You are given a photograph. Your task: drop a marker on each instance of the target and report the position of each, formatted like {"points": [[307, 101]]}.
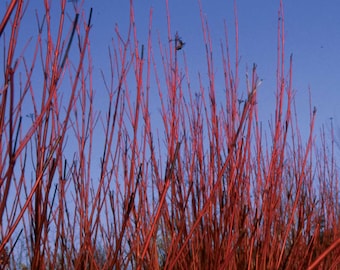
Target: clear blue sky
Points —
{"points": [[312, 32]]}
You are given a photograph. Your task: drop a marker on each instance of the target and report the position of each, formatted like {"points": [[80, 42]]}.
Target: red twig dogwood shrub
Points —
{"points": [[201, 185]]}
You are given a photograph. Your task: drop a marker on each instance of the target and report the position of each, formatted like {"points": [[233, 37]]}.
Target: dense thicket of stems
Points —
{"points": [[207, 188]]}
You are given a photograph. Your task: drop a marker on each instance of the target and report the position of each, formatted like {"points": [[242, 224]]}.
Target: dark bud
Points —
{"points": [[179, 44]]}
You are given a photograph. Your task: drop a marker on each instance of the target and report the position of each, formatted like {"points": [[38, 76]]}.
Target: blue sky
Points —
{"points": [[312, 35]]}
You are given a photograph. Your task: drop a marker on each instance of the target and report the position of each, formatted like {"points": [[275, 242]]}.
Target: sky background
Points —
{"points": [[312, 35]]}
